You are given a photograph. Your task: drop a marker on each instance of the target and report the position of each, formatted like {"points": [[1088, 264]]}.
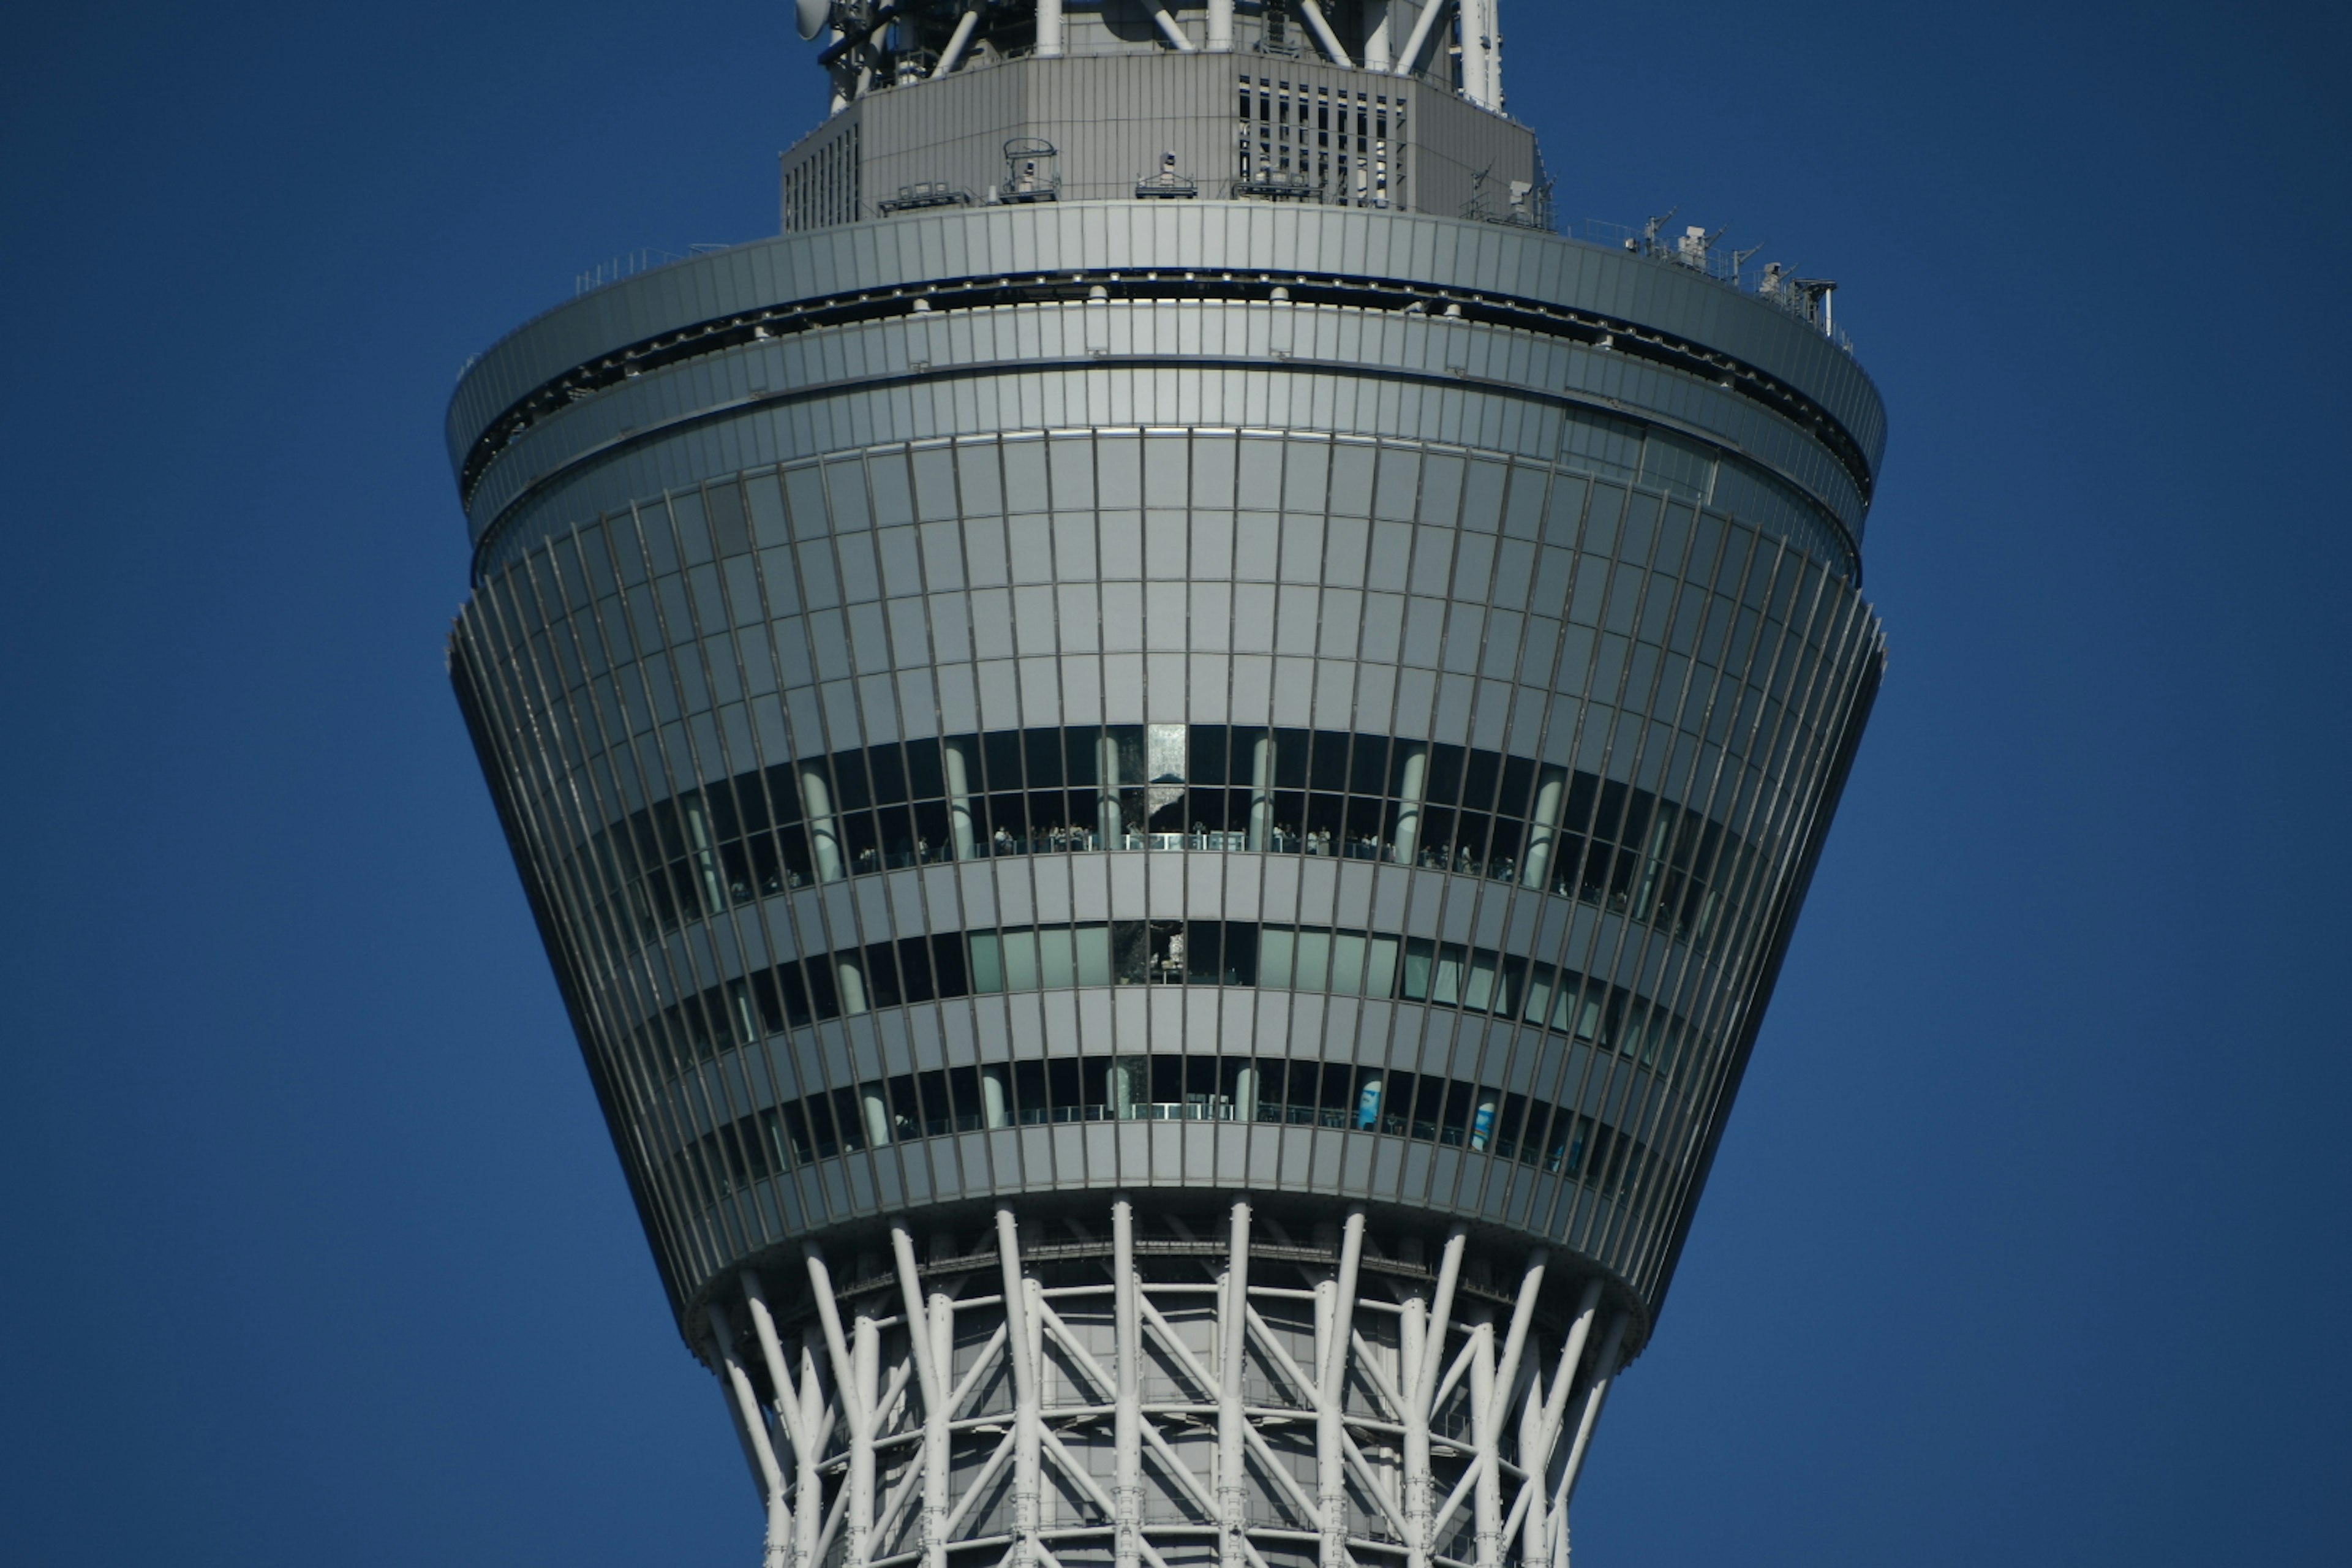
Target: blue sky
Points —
{"points": [[2028, 1241]]}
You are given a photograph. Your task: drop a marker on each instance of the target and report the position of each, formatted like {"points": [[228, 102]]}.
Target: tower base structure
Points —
{"points": [[1155, 1383]]}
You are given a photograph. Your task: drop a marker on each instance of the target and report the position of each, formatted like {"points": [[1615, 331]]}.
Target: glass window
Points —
{"points": [[987, 963]]}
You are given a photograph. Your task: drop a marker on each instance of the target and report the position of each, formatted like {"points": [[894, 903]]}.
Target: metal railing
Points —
{"points": [[630, 263], [1694, 250]]}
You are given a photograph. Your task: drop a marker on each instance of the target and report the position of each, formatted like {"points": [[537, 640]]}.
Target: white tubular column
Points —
{"points": [[952, 55], [865, 1359], [1049, 28], [1168, 27], [1377, 56], [1317, 23], [1110, 830], [1539, 1436], [823, 827], [956, 763], [1221, 26], [755, 1430], [1020, 1343], [1543, 832], [1486, 1436], [1331, 1455], [1233, 1494], [1261, 817], [1413, 783], [856, 1418], [808, 1518], [1420, 1392], [932, 1380], [1604, 1371], [1127, 1416], [1409, 57], [788, 1410]]}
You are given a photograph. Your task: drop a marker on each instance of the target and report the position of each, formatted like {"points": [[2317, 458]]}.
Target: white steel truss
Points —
{"points": [[1178, 1401]]}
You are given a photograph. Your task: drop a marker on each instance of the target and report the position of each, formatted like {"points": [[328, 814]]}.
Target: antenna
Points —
{"points": [[1650, 229], [811, 15]]}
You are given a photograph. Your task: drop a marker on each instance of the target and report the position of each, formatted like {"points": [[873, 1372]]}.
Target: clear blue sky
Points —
{"points": [[2029, 1240]]}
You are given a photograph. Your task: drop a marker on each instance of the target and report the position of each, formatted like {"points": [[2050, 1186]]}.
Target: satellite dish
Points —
{"points": [[813, 16]]}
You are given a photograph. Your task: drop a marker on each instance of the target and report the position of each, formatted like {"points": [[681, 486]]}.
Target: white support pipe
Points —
{"points": [[1110, 828], [1441, 1311], [857, 1418], [1377, 56], [1221, 26], [1021, 1343], [1049, 29], [1523, 1312], [789, 1411], [956, 762], [1476, 27], [1412, 1411], [1413, 783], [982, 1484], [865, 1358], [1604, 1373], [1233, 1494], [808, 1516], [755, 1428], [932, 1381], [1169, 28], [1127, 1420], [772, 1352], [1367, 1363], [1409, 57], [952, 55], [1313, 11], [1331, 1437], [1261, 817], [823, 827], [1535, 1467], [1543, 830], [1535, 1457], [1487, 1434]]}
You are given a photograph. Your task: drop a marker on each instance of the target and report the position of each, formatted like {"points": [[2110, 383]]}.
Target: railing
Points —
{"points": [[1696, 251], [643, 259]]}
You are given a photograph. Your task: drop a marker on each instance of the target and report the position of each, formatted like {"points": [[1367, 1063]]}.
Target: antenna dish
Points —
{"points": [[812, 17]]}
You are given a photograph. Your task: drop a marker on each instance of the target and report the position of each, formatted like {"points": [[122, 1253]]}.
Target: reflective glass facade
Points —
{"points": [[1352, 739]]}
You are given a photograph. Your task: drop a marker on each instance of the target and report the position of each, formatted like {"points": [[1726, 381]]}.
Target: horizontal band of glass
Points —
{"points": [[879, 1113], [1164, 786], [853, 980]]}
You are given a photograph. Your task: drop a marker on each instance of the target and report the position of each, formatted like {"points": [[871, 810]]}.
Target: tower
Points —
{"points": [[1165, 755]]}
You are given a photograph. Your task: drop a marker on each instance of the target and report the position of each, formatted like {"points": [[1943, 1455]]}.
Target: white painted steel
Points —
{"points": [[1170, 29], [1409, 57], [1232, 1328], [1162, 1394], [952, 55], [930, 1381], [755, 1430], [1377, 54], [1321, 27]]}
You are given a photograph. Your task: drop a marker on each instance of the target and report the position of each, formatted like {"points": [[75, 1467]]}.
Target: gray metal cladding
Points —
{"points": [[1032, 581], [1166, 363], [1217, 236]]}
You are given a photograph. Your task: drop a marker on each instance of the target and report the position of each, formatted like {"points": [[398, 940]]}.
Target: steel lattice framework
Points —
{"points": [[929, 1410]]}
